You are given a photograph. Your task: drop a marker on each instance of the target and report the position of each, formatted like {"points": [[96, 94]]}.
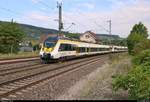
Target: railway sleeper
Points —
{"points": [[9, 87]]}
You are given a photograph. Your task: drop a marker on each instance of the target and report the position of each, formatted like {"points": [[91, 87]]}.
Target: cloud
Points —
{"points": [[87, 5], [126, 16], [123, 15], [36, 1], [40, 19]]}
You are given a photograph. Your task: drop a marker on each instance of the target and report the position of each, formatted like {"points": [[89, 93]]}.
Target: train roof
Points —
{"points": [[79, 43]]}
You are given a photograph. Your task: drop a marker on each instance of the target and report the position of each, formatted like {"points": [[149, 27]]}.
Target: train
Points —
{"points": [[58, 49]]}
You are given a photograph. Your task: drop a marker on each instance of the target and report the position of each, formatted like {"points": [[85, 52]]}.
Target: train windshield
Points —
{"points": [[49, 44]]}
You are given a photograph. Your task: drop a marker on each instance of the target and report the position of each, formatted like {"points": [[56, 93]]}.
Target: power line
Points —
{"points": [[91, 20], [101, 27], [11, 11], [45, 4], [83, 25], [70, 26]]}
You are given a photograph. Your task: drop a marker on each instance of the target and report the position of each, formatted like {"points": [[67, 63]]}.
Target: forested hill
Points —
{"points": [[35, 32]]}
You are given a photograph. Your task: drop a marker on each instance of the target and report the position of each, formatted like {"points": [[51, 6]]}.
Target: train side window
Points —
{"points": [[62, 47], [82, 49], [93, 49], [88, 49], [66, 47], [73, 48]]}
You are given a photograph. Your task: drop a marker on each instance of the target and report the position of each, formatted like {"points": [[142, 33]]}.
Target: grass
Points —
{"points": [[19, 55]]}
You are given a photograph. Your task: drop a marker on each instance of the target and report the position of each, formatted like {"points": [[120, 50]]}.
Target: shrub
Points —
{"points": [[141, 46], [137, 81], [142, 58]]}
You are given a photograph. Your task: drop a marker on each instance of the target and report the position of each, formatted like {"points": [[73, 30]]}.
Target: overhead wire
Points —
{"points": [[11, 11], [44, 4], [94, 22]]}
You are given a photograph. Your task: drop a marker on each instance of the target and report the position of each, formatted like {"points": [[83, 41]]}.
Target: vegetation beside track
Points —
{"points": [[98, 84], [18, 55], [137, 80]]}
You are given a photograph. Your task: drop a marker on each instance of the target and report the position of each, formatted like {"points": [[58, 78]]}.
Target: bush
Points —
{"points": [[141, 46], [137, 81], [142, 58]]}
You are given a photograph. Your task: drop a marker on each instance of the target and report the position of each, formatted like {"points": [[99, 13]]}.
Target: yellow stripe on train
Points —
{"points": [[47, 50]]}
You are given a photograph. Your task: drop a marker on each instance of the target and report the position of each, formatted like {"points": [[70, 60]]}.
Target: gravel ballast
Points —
{"points": [[97, 85], [54, 88], [91, 82]]}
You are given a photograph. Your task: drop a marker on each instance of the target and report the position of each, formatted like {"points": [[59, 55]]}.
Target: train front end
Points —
{"points": [[46, 50]]}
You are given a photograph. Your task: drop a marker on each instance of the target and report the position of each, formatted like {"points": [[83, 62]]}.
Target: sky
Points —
{"points": [[86, 14]]}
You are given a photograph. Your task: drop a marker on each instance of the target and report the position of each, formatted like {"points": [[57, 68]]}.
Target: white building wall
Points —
{"points": [[88, 38]]}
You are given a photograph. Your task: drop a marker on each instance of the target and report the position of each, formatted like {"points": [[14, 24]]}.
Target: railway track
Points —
{"points": [[11, 61], [21, 83], [17, 58], [18, 69]]}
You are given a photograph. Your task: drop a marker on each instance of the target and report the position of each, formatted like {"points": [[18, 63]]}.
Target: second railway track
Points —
{"points": [[11, 61], [12, 86]]}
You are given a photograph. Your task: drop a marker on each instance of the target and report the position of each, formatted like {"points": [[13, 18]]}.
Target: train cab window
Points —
{"points": [[49, 44]]}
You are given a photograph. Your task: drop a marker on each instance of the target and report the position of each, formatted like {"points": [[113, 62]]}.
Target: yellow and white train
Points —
{"points": [[55, 48]]}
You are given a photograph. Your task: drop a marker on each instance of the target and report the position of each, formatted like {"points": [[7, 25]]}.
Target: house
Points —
{"points": [[88, 36], [26, 49]]}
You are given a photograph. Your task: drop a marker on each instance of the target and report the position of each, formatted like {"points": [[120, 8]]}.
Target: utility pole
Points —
{"points": [[60, 27], [110, 25]]}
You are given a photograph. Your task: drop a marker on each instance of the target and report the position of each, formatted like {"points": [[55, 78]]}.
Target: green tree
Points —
{"points": [[138, 33], [10, 36], [73, 35]]}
